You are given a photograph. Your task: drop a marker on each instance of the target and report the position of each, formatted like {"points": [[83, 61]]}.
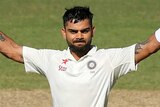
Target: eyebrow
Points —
{"points": [[74, 30], [86, 29]]}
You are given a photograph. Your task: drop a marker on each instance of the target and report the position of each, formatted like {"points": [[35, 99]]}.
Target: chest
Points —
{"points": [[82, 71], [88, 75]]}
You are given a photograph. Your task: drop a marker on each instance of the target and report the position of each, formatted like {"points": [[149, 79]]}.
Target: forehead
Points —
{"points": [[79, 25]]}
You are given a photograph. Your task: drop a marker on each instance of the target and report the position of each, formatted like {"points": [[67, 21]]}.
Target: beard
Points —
{"points": [[79, 49]]}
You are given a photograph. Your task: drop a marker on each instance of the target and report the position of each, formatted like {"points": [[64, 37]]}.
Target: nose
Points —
{"points": [[79, 35]]}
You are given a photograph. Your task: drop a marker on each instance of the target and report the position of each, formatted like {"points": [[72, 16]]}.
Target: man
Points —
{"points": [[78, 77]]}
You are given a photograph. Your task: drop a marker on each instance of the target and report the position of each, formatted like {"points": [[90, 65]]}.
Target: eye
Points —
{"points": [[73, 31], [85, 30]]}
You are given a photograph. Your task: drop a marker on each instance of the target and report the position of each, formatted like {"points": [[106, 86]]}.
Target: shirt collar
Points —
{"points": [[90, 53]]}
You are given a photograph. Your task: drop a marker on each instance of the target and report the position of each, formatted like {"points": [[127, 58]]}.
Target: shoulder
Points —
{"points": [[42, 51], [112, 52]]}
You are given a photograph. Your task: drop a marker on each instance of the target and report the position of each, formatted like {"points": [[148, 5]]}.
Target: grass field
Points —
{"points": [[41, 98], [119, 23]]}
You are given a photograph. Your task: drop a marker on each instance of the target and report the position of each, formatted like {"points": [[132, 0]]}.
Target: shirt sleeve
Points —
{"points": [[34, 60], [123, 60]]}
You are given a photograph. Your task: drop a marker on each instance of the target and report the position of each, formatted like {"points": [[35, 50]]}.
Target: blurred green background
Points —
{"points": [[119, 23]]}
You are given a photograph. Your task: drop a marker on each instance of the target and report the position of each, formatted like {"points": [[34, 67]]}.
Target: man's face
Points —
{"points": [[78, 35]]}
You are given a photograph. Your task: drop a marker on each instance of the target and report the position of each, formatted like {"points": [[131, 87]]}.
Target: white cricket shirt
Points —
{"points": [[83, 83]]}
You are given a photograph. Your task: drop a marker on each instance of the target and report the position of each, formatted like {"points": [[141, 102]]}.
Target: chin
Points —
{"points": [[79, 48]]}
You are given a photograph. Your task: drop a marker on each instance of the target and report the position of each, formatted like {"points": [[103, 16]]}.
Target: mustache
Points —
{"points": [[79, 40]]}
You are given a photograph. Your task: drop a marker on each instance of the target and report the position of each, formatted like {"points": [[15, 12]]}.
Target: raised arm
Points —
{"points": [[148, 47], [10, 49]]}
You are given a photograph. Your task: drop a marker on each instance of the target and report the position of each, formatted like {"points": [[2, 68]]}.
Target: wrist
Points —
{"points": [[157, 35]]}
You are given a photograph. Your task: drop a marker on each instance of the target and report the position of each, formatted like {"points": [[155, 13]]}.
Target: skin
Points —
{"points": [[10, 49], [146, 48], [79, 35], [71, 33]]}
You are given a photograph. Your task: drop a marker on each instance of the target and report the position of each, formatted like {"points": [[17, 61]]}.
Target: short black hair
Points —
{"points": [[77, 14]]}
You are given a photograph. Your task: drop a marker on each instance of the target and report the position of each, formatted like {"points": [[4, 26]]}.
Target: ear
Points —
{"points": [[93, 30], [63, 31]]}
